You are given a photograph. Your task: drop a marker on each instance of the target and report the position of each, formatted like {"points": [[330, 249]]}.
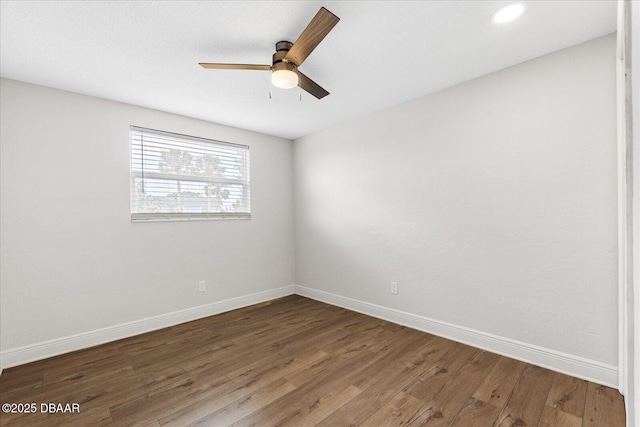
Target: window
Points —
{"points": [[177, 177]]}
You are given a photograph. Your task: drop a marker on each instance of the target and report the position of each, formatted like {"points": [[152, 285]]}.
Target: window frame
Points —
{"points": [[187, 216]]}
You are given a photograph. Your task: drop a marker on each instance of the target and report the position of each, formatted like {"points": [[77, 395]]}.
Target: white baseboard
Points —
{"points": [[569, 364], [21, 355], [576, 366]]}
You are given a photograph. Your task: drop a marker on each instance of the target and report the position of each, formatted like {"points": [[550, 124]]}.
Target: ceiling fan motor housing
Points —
{"points": [[282, 48], [283, 45]]}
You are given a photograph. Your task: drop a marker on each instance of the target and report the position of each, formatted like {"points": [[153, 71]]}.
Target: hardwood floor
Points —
{"points": [[299, 362]]}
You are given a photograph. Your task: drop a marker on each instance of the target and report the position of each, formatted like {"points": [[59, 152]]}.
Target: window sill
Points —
{"points": [[150, 217]]}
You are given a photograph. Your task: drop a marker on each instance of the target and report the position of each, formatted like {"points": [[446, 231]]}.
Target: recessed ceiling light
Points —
{"points": [[509, 12]]}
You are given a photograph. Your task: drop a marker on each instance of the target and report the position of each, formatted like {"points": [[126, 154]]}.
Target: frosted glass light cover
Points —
{"points": [[284, 79]]}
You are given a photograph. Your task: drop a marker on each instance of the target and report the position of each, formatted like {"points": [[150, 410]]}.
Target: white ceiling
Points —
{"points": [[381, 53]]}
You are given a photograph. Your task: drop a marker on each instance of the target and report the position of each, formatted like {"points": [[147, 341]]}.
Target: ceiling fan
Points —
{"points": [[289, 56]]}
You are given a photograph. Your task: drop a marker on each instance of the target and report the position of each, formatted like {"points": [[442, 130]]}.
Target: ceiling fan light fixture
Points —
{"points": [[289, 56], [284, 76], [284, 79]]}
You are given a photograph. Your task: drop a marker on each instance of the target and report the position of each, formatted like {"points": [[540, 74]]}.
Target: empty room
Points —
{"points": [[301, 213]]}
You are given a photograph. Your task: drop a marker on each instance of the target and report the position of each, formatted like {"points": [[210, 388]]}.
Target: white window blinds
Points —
{"points": [[177, 176]]}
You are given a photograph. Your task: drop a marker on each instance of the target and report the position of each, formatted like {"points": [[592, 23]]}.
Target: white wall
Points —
{"points": [[492, 203], [73, 265]]}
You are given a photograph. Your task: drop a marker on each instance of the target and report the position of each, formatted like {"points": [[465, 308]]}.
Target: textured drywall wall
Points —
{"points": [[72, 262], [492, 204]]}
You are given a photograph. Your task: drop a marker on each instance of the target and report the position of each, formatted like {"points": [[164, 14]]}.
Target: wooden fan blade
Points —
{"points": [[311, 37], [310, 86], [236, 66]]}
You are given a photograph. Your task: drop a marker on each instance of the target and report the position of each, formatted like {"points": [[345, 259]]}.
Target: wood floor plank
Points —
{"points": [[99, 417], [291, 342], [201, 407], [253, 314], [476, 413], [334, 325], [322, 407], [383, 379], [322, 377], [328, 365], [155, 341], [161, 402], [445, 406], [438, 348], [552, 417], [497, 387], [528, 398], [604, 407], [429, 384], [398, 411], [246, 405], [209, 352], [90, 393], [205, 403], [298, 362], [275, 366], [406, 350], [568, 394], [25, 377], [388, 344]]}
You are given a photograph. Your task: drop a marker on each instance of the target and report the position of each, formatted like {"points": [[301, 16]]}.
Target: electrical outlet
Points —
{"points": [[394, 288], [202, 286]]}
